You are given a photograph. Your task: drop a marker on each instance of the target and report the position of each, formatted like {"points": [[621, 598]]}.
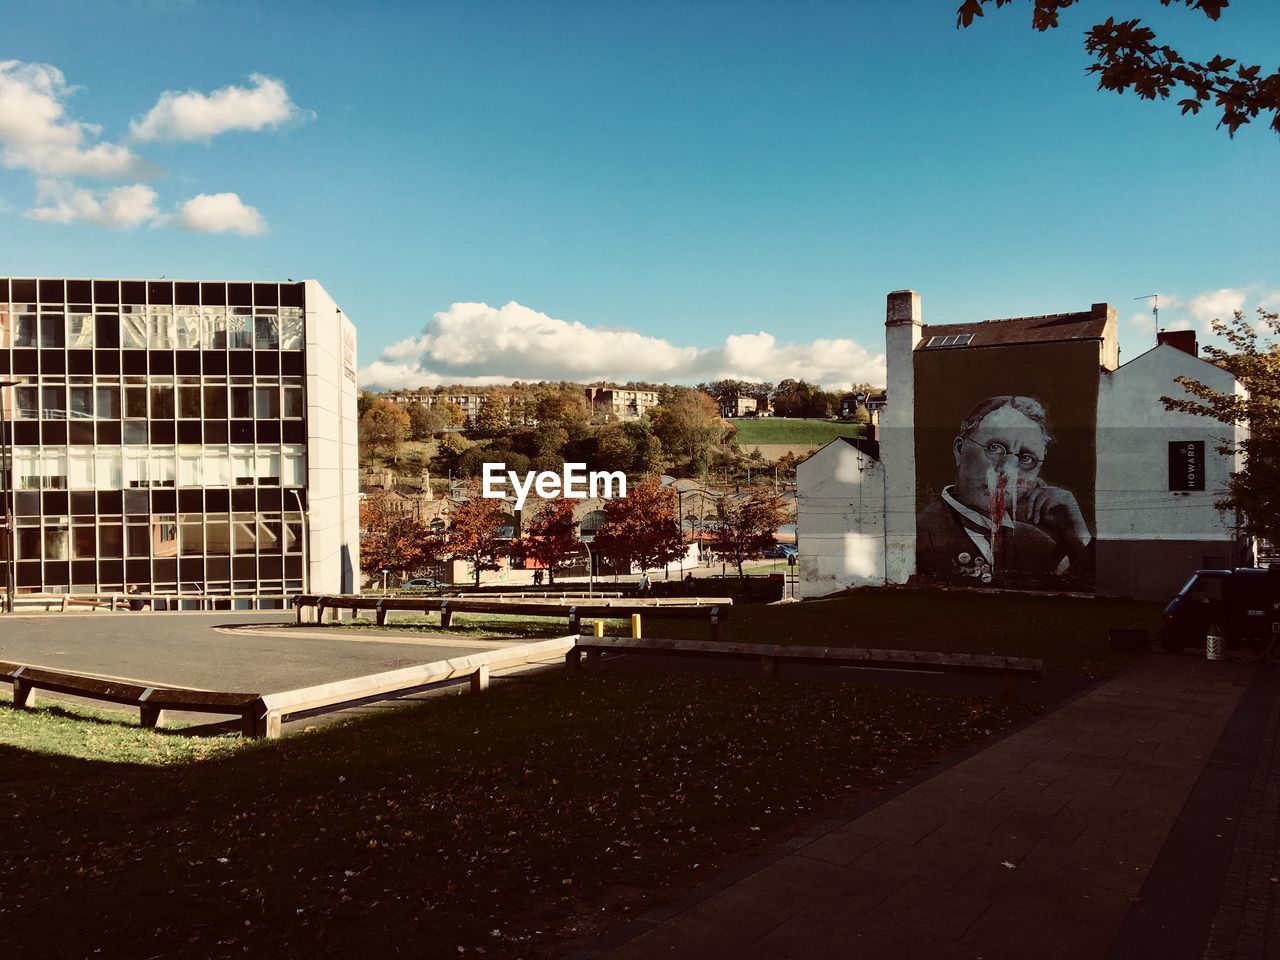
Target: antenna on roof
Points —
{"points": [[1155, 311]]}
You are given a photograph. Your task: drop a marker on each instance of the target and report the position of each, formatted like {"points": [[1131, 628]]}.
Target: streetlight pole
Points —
{"points": [[306, 554], [6, 438]]}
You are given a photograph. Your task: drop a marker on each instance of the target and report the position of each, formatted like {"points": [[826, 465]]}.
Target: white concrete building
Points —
{"points": [[1160, 477], [1137, 484], [840, 518]]}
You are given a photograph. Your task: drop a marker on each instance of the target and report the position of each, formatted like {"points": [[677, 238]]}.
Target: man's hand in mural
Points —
{"points": [[1056, 512]]}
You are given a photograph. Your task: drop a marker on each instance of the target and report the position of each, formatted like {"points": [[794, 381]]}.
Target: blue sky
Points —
{"points": [[663, 190]]}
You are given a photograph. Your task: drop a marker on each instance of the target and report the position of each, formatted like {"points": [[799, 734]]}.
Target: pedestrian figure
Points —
{"points": [[644, 585], [537, 577], [688, 584]]}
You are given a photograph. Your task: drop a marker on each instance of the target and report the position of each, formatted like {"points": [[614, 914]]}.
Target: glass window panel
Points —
{"points": [[269, 534], [294, 466], [162, 402], [291, 328], [53, 403], [133, 328], [268, 469], [138, 540], [267, 402], [108, 402], [240, 328], [266, 331], [26, 468], [108, 463], [28, 543], [137, 467], [135, 403], [6, 326], [80, 475], [293, 532], [217, 467], [242, 465], [215, 402], [189, 403], [191, 535], [213, 328], [84, 543], [164, 536], [54, 468], [190, 466], [187, 323], [160, 328], [244, 529], [81, 403], [164, 471], [80, 328], [292, 401], [218, 536], [242, 402], [55, 538], [110, 541], [53, 330], [25, 331], [107, 329], [28, 403]]}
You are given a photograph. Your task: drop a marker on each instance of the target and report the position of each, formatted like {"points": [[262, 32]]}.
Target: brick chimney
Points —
{"points": [[1184, 340]]}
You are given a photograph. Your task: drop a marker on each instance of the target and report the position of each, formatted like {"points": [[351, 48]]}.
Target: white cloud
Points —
{"points": [[118, 208], [476, 343], [36, 133], [220, 213], [198, 116]]}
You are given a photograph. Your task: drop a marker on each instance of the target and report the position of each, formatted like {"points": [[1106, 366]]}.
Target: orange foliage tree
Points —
{"points": [[473, 535], [552, 536], [642, 527]]}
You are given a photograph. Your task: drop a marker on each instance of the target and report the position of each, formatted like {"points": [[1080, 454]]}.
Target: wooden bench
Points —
{"points": [[714, 609], [152, 702], [1008, 669]]}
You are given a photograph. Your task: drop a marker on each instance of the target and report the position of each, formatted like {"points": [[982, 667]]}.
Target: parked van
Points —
{"points": [[1244, 603]]}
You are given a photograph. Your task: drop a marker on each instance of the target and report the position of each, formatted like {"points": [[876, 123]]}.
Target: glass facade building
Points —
{"points": [[159, 434]]}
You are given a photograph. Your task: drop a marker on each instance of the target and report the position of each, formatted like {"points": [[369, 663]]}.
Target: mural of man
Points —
{"points": [[1000, 522]]}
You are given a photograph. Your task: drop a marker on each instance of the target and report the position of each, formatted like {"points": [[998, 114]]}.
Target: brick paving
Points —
{"points": [[1036, 846], [1247, 924]]}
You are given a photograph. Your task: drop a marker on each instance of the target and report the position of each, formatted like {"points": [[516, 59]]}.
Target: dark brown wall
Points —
{"points": [[1062, 376]]}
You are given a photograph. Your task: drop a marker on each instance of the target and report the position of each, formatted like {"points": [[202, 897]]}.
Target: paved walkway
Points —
{"points": [[1037, 846]]}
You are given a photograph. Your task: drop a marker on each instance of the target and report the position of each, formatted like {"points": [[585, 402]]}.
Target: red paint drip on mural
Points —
{"points": [[999, 504]]}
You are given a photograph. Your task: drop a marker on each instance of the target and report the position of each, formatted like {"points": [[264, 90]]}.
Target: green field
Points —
{"points": [[784, 430]]}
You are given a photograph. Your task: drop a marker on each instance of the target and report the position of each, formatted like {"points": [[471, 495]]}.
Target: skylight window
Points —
{"points": [[955, 340]]}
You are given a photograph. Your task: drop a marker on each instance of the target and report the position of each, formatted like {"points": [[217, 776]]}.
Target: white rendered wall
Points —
{"points": [[1134, 431], [840, 520], [332, 447], [903, 322]]}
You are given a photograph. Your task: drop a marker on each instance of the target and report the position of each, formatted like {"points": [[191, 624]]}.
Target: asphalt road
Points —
{"points": [[228, 651]]}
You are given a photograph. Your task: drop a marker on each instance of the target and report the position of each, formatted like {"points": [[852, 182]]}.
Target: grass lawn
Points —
{"points": [[1069, 633], [753, 430], [510, 825]]}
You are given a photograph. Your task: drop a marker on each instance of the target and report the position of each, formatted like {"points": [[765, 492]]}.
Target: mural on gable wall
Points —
{"points": [[1005, 459]]}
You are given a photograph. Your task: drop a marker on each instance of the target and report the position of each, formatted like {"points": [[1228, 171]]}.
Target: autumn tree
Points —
{"points": [[564, 406], [425, 421], [551, 538], [745, 527], [396, 542], [473, 535], [383, 428], [642, 527], [688, 424], [1127, 57], [454, 415], [1254, 359]]}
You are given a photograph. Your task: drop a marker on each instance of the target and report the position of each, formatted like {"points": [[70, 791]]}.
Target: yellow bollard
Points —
{"points": [[598, 628], [635, 625]]}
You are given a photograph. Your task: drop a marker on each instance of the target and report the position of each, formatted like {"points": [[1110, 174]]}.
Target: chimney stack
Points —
{"points": [[1184, 340]]}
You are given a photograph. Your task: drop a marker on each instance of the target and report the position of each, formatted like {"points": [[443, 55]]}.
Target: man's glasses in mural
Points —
{"points": [[998, 453]]}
